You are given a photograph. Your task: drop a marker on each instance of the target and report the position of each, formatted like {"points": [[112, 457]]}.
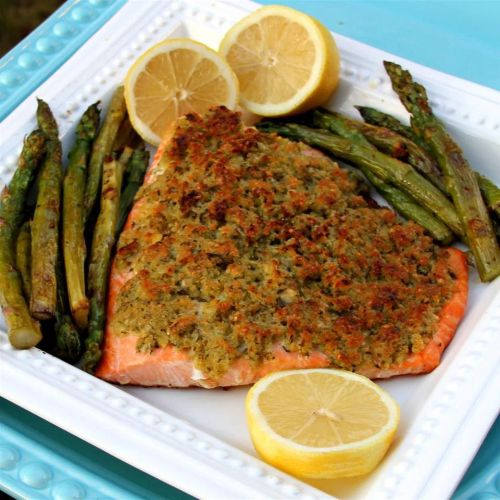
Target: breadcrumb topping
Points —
{"points": [[243, 241]]}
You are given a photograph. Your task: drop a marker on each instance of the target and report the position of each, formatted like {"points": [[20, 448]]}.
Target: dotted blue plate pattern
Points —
{"points": [[39, 461], [26, 66], [482, 480], [28, 469]]}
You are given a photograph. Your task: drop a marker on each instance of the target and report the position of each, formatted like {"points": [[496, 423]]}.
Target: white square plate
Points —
{"points": [[197, 439]]}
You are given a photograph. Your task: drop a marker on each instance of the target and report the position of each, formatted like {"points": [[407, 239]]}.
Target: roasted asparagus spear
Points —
{"points": [[73, 215], [460, 180], [125, 158], [136, 170], [490, 192], [67, 339], [46, 120], [126, 136], [102, 147], [24, 332], [379, 118], [389, 170], [100, 259], [23, 257], [45, 225], [408, 208], [401, 202], [397, 146]]}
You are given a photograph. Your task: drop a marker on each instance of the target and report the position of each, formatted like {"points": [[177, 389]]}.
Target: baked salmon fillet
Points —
{"points": [[246, 253]]}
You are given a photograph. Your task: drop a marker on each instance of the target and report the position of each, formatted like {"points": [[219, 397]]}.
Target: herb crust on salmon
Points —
{"points": [[246, 253]]}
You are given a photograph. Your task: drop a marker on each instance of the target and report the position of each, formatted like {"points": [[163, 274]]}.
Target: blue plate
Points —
{"points": [[482, 480], [41, 53], [39, 460]]}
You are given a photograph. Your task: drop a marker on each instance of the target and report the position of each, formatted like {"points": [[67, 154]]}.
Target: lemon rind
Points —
{"points": [[384, 432], [172, 44], [323, 52]]}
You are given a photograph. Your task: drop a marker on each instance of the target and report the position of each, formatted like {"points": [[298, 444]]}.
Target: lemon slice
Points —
{"points": [[286, 61], [173, 78], [321, 423]]}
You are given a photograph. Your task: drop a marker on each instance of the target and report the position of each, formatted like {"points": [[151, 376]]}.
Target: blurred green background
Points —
{"points": [[18, 18]]}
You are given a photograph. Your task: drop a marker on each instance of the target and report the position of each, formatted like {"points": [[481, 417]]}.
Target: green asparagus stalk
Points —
{"points": [[125, 158], [408, 208], [400, 201], [46, 121], [389, 170], [102, 147], [73, 215], [378, 118], [490, 192], [67, 339], [125, 137], [100, 259], [418, 157], [398, 147], [460, 180], [384, 139], [23, 257], [23, 331], [68, 344], [136, 171], [45, 225]]}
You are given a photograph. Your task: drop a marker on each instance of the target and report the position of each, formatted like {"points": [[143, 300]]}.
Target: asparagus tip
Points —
{"points": [[91, 357]]}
